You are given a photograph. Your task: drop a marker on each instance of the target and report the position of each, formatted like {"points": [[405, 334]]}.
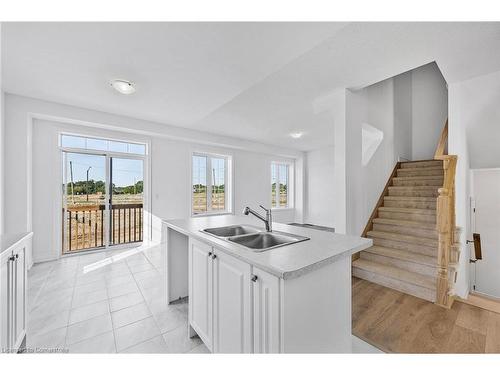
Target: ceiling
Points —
{"points": [[255, 81]]}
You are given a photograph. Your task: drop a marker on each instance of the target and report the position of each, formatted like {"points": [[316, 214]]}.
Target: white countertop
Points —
{"points": [[10, 239], [285, 262]]}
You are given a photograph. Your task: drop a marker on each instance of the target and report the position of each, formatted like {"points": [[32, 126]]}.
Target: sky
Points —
{"points": [[126, 172]]}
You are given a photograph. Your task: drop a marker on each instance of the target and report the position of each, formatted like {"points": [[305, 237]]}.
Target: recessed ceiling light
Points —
{"points": [[123, 87], [296, 135]]}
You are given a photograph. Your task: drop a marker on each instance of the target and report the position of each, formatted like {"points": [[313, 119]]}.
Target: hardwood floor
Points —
{"points": [[399, 323]]}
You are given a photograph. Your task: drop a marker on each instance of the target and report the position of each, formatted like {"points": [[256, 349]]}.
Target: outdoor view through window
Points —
{"points": [[211, 197], [279, 177], [103, 193]]}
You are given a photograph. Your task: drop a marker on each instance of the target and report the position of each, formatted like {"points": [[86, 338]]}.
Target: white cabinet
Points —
{"points": [[233, 307], [266, 312], [13, 288], [201, 291], [232, 304]]}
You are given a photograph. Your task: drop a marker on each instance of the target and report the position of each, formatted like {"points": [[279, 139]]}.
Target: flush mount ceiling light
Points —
{"points": [[123, 87], [296, 135]]}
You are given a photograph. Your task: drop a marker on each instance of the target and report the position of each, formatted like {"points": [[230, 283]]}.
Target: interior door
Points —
{"points": [[5, 299], [486, 221], [126, 186]]}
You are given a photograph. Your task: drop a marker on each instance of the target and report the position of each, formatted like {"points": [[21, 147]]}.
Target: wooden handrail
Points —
{"points": [[442, 147], [445, 225]]}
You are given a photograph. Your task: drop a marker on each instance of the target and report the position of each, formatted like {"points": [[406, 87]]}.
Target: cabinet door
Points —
{"points": [[19, 294], [266, 312], [200, 290], [232, 305], [5, 301]]}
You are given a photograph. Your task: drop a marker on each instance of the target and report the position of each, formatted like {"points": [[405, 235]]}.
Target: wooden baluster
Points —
{"points": [[119, 224], [129, 226], [70, 234]]}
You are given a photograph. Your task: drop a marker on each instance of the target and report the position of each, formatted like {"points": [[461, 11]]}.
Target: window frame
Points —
{"points": [[290, 184], [228, 185]]}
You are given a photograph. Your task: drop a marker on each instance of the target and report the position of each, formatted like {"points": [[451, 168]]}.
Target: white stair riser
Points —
{"points": [[407, 230], [409, 204], [400, 263], [409, 172], [409, 192], [407, 216], [420, 249], [414, 290]]}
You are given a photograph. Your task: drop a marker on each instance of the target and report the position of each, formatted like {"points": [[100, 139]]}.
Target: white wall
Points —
{"points": [[480, 109], [170, 164], [320, 187], [458, 145], [429, 110], [2, 126]]}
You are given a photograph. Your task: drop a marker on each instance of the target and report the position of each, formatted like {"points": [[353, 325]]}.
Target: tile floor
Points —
{"points": [[106, 302], [110, 302]]}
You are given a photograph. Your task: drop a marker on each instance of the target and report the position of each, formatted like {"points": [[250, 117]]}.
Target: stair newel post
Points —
{"points": [[445, 223], [443, 228]]}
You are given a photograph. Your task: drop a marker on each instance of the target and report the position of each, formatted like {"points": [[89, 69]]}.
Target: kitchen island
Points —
{"points": [[291, 298]]}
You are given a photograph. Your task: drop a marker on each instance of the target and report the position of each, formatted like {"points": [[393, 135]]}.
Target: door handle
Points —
{"points": [[209, 254], [214, 256], [254, 278]]}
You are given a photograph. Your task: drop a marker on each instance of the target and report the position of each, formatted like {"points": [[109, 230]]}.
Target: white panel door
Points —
{"points": [[266, 312], [200, 290], [19, 295], [232, 305], [486, 194]]}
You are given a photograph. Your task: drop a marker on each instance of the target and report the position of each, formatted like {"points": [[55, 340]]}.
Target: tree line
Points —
{"points": [[96, 187]]}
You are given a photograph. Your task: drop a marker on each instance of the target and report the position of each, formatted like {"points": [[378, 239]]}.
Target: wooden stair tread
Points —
{"points": [[404, 238], [396, 273], [421, 169], [418, 178], [418, 199], [421, 164], [422, 211], [408, 256], [399, 187], [406, 223]]}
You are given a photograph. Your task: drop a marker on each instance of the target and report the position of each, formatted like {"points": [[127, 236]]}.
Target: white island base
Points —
{"points": [[241, 303]]}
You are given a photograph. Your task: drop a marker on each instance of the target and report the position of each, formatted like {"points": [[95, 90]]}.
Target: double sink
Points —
{"points": [[253, 238]]}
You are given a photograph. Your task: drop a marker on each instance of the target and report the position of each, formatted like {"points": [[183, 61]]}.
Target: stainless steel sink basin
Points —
{"points": [[232, 230], [266, 240]]}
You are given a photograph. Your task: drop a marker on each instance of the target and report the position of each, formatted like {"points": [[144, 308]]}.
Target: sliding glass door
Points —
{"points": [[103, 200], [84, 201], [126, 200]]}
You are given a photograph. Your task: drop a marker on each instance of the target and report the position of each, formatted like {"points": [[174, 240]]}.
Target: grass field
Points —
{"points": [[85, 218]]}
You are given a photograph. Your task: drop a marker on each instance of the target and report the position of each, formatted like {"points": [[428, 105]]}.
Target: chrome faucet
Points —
{"points": [[268, 220]]}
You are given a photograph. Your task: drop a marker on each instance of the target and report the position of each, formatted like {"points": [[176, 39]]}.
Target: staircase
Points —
{"points": [[404, 255]]}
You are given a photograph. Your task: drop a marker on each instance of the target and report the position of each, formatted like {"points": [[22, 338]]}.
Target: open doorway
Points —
{"points": [[485, 220], [103, 193]]}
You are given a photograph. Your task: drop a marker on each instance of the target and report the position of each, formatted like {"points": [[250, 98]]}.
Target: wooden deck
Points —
{"points": [[399, 323]]}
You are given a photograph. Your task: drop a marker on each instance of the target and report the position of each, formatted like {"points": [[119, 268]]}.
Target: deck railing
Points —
{"points": [[85, 226]]}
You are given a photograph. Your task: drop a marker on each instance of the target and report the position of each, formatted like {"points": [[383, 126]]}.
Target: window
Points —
{"points": [[280, 186], [210, 184], [99, 144]]}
